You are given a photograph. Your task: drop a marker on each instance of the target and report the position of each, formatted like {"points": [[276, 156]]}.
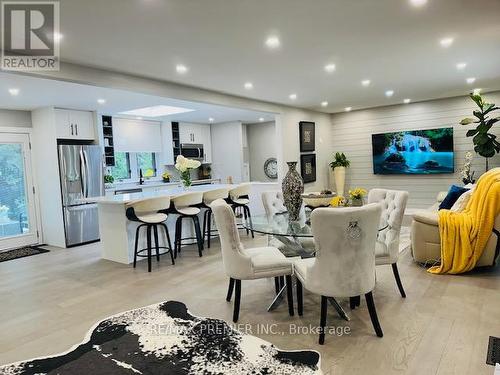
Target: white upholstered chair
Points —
{"points": [[393, 204], [344, 265], [247, 264]]}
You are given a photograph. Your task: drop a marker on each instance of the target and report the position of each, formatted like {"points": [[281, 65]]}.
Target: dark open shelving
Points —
{"points": [[176, 142], [109, 149]]}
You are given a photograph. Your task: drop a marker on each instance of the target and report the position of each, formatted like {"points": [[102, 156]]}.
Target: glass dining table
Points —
{"points": [[295, 241]]}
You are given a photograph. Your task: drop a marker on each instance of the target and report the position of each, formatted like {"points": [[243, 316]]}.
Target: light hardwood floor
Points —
{"points": [[49, 301]]}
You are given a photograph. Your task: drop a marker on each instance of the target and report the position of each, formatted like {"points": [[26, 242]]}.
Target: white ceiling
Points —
{"points": [[37, 93], [390, 42]]}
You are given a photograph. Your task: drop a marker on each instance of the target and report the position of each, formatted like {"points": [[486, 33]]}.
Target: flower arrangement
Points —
{"points": [[357, 193], [184, 166], [166, 177], [465, 172], [338, 201]]}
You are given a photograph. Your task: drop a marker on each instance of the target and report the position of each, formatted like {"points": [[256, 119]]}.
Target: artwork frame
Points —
{"points": [[307, 136], [308, 167], [414, 152]]}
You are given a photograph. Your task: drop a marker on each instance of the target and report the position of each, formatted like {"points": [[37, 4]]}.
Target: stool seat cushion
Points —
{"points": [[190, 211], [155, 218], [268, 261], [241, 201]]}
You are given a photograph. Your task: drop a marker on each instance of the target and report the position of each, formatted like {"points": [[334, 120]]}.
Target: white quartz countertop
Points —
{"points": [[152, 184], [173, 192]]}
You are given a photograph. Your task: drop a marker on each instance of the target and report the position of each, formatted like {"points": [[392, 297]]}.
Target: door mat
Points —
{"points": [[21, 252]]}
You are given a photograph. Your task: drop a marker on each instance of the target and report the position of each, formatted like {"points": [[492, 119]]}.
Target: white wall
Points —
{"points": [[261, 146], [352, 135], [9, 118], [288, 146], [227, 151]]}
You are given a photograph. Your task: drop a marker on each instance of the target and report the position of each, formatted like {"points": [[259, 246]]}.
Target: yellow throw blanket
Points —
{"points": [[464, 235]]}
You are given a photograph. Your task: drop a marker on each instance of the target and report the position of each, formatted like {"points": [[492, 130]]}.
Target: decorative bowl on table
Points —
{"points": [[318, 199]]}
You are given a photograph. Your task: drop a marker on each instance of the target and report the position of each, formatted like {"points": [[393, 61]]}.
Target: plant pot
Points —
{"points": [[292, 187], [357, 202], [339, 173]]}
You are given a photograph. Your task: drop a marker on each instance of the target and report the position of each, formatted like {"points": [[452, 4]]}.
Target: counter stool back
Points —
{"points": [[239, 200], [208, 198], [147, 213], [187, 206]]}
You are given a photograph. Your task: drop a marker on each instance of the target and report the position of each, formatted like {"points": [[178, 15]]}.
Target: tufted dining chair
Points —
{"points": [[344, 265], [247, 264], [393, 208]]}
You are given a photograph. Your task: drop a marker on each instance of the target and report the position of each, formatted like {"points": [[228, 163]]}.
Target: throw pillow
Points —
{"points": [[453, 194], [462, 201]]}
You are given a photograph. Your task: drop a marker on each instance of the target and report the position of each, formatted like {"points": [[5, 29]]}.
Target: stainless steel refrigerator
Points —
{"points": [[81, 171]]}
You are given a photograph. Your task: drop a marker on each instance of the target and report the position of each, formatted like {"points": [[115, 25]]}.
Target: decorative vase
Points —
{"points": [[357, 202], [339, 173], [292, 188]]}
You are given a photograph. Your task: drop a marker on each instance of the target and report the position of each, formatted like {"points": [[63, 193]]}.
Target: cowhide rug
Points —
{"points": [[166, 339]]}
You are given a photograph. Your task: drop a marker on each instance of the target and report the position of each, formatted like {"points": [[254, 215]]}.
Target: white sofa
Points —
{"points": [[426, 242]]}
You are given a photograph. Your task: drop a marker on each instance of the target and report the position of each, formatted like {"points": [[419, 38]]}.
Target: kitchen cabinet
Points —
{"points": [[74, 124], [197, 134]]}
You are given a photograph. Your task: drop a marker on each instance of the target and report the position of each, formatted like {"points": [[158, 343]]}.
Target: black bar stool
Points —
{"points": [[208, 198], [239, 199], [147, 212], [187, 206]]}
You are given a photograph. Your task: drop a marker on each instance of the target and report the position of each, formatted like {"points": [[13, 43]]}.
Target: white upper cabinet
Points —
{"points": [[197, 134], [74, 124]]}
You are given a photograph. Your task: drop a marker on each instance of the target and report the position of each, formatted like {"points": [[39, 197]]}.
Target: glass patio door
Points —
{"points": [[18, 226]]}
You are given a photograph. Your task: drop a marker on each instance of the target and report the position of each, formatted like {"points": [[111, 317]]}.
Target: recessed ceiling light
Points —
{"points": [[446, 42], [210, 119], [248, 85], [470, 80], [406, 101], [101, 101], [156, 111], [273, 42], [330, 68], [14, 92], [181, 69], [389, 93], [476, 91], [348, 109], [139, 118], [292, 96], [366, 82], [261, 119], [461, 66], [324, 104], [418, 3]]}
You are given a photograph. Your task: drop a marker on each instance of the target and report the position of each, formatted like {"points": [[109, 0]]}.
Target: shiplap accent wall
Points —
{"points": [[352, 133]]}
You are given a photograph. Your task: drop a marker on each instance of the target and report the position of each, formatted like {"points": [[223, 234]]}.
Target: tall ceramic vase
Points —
{"points": [[292, 187], [339, 173]]}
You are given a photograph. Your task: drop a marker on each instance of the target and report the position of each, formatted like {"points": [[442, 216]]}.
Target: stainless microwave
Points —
{"points": [[192, 151]]}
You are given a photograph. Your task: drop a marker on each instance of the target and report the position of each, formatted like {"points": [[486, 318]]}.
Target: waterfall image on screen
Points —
{"points": [[413, 152]]}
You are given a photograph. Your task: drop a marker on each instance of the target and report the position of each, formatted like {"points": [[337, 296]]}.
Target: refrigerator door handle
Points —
{"points": [[87, 173], [83, 173]]}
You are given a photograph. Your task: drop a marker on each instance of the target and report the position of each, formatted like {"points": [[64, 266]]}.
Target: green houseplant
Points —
{"points": [[338, 165], [485, 143]]}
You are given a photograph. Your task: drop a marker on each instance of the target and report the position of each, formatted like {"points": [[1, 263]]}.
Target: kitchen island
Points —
{"points": [[118, 233]]}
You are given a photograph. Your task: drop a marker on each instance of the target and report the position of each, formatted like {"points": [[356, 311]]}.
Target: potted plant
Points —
{"points": [[338, 165], [108, 180], [357, 196], [184, 166], [465, 172], [166, 177], [485, 143]]}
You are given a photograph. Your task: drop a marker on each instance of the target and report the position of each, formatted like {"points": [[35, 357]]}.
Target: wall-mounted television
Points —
{"points": [[427, 151]]}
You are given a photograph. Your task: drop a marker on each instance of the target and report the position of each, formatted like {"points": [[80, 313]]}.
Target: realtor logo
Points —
{"points": [[30, 35]]}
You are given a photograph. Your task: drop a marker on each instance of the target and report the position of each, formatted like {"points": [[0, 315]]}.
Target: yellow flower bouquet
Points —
{"points": [[357, 193], [338, 201]]}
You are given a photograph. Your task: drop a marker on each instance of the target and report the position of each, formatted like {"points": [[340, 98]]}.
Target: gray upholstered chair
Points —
{"points": [[344, 265], [247, 264], [393, 208]]}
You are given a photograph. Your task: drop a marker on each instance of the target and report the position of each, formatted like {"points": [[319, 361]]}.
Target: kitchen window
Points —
{"points": [[128, 164]]}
